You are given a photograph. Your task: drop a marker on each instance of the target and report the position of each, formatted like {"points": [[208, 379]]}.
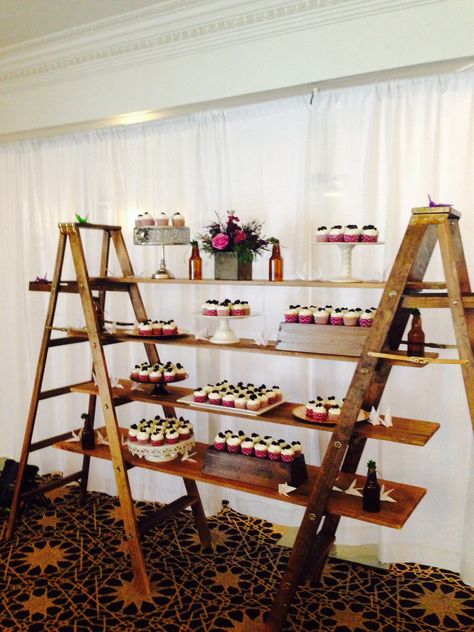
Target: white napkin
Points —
{"points": [[114, 383], [111, 327], [136, 386], [374, 417], [75, 437], [200, 334], [387, 419], [284, 489], [352, 490], [187, 457], [100, 439], [261, 338], [385, 495]]}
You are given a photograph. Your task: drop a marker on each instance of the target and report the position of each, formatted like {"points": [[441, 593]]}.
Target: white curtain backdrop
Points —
{"points": [[362, 155]]}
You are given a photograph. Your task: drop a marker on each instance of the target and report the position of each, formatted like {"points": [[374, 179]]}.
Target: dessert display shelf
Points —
{"points": [[189, 400], [224, 334], [346, 249]]}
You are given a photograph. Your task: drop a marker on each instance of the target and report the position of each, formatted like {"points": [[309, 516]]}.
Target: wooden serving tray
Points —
{"points": [[330, 339], [254, 471]]}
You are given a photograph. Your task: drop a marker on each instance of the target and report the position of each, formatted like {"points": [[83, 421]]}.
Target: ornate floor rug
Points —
{"points": [[66, 570]]}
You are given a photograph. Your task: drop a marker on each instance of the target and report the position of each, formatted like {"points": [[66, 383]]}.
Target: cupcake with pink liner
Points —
{"points": [[369, 233], [143, 436], [330, 401], [215, 398], [351, 233], [334, 413], [291, 314], [319, 413], [296, 445], [171, 436], [274, 451], [145, 328], [336, 234], [237, 309], [183, 433], [253, 402], [247, 447], [157, 327], [144, 375], [336, 317], [261, 450], [223, 310], [366, 318], [132, 433], [351, 318], [170, 328], [240, 401], [162, 219], [287, 454], [321, 316], [246, 307], [200, 396], [272, 398], [309, 408], [157, 438], [268, 439], [169, 375], [278, 393], [233, 444], [322, 233], [134, 375], [305, 316], [228, 400], [155, 374]]}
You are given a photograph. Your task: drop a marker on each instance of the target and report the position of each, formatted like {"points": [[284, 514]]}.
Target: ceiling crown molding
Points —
{"points": [[173, 29]]}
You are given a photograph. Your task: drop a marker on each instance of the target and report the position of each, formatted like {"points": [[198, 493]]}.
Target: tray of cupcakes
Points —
{"points": [[255, 459], [351, 233], [225, 309], [158, 374], [160, 439], [155, 329], [248, 399], [324, 410]]}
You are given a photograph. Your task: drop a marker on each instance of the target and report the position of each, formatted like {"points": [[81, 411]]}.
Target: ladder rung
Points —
{"points": [[71, 287], [434, 300], [159, 516], [416, 360], [44, 443], [70, 340], [67, 225], [61, 390], [426, 285], [48, 487]]}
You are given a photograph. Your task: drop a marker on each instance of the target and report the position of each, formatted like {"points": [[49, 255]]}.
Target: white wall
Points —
{"points": [[196, 52]]}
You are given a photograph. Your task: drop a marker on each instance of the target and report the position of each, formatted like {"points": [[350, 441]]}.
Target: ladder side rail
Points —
{"points": [[141, 579], [463, 321], [35, 396], [410, 264]]}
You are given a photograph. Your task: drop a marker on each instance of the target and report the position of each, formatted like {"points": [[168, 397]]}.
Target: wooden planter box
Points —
{"points": [[330, 339], [249, 469]]}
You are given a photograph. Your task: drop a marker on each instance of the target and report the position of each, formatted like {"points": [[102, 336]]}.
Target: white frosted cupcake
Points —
{"points": [[144, 375], [223, 310], [278, 392], [291, 314], [261, 450], [240, 402], [171, 436], [336, 233], [169, 375], [366, 318], [351, 318], [132, 433], [351, 233], [296, 445], [177, 219], [247, 447], [274, 451], [155, 375], [148, 220], [215, 398], [287, 454], [369, 233], [253, 402], [321, 316], [200, 395], [228, 400], [233, 444], [162, 219], [322, 233], [334, 413], [157, 438], [145, 329], [143, 437], [305, 316]]}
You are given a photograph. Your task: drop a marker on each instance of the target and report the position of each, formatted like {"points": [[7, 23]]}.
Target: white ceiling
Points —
{"points": [[23, 20]]}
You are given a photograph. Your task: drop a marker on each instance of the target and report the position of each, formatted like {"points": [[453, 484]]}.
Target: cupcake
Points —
{"points": [[274, 451], [287, 454], [183, 433], [268, 439], [271, 395], [245, 307], [169, 375], [228, 400], [351, 318], [237, 309], [330, 401], [157, 438], [366, 318], [215, 398], [177, 219], [144, 375], [351, 233], [145, 328], [336, 317], [180, 372], [233, 444], [369, 233], [334, 413], [321, 316], [157, 327], [247, 447], [240, 401], [200, 395], [253, 402], [305, 316], [212, 308], [278, 393], [162, 220], [147, 220], [261, 450], [220, 442], [223, 310], [143, 437], [139, 221], [309, 408], [255, 437], [291, 314], [320, 414], [336, 233], [322, 233], [170, 328], [135, 372], [171, 436], [296, 445], [132, 433], [155, 374]]}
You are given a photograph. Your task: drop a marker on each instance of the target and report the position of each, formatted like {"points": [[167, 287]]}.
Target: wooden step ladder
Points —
{"points": [[133, 528], [404, 289]]}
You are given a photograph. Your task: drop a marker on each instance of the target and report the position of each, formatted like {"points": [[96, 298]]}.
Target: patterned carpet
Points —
{"points": [[66, 570]]}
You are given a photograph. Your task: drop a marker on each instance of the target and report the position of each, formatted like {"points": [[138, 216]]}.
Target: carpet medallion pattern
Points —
{"points": [[67, 570]]}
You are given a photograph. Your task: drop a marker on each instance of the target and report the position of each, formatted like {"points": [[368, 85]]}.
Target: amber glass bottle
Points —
{"points": [[371, 493], [195, 263], [275, 263], [88, 436], [416, 336]]}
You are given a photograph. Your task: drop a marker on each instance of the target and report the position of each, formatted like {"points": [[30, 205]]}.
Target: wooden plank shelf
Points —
{"points": [[434, 300], [245, 344], [393, 515], [408, 431]]}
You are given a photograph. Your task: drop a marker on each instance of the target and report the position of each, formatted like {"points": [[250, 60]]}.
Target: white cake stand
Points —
{"points": [[224, 334], [346, 248]]}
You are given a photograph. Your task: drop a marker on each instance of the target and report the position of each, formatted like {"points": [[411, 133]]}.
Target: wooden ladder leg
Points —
{"points": [[104, 262], [457, 282], [141, 579], [40, 368], [198, 513]]}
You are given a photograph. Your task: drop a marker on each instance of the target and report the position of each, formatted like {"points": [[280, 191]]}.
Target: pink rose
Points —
{"points": [[220, 241], [239, 236]]}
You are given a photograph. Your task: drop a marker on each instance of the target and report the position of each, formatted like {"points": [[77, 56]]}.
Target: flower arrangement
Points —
{"points": [[231, 235]]}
